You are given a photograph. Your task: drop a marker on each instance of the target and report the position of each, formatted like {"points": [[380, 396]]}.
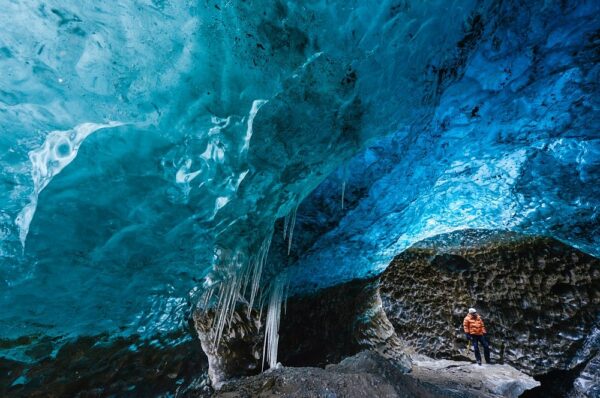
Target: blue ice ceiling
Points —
{"points": [[146, 144]]}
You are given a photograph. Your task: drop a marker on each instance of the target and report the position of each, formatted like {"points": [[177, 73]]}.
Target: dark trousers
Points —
{"points": [[486, 347]]}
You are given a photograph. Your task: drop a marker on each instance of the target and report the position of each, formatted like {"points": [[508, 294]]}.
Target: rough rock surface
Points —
{"points": [[539, 297], [239, 351], [492, 380], [365, 375], [588, 383], [369, 374]]}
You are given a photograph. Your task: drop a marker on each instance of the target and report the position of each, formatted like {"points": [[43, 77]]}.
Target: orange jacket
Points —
{"points": [[474, 325]]}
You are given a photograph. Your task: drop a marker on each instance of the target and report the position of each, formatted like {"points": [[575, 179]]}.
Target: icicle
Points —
{"points": [[262, 305], [217, 308], [286, 222], [292, 224], [343, 193], [272, 323], [236, 290], [246, 272], [207, 296], [240, 279], [229, 291], [257, 269]]}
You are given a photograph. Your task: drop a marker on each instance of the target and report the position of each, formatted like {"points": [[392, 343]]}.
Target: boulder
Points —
{"points": [[484, 380]]}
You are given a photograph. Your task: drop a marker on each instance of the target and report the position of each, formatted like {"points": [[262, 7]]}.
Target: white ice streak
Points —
{"points": [[184, 175], [256, 105], [288, 227], [59, 149], [309, 61], [286, 222]]}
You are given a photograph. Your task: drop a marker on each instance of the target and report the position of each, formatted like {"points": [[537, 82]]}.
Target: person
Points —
{"points": [[476, 333]]}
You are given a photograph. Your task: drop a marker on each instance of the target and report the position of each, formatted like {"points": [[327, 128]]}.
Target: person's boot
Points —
{"points": [[479, 363]]}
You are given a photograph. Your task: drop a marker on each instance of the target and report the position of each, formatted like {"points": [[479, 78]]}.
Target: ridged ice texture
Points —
{"points": [[213, 120], [221, 117], [513, 144]]}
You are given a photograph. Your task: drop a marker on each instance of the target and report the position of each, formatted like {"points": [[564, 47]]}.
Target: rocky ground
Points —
{"points": [[369, 374], [485, 380]]}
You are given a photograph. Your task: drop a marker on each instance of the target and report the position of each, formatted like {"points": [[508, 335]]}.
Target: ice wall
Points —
{"points": [[149, 147], [513, 144]]}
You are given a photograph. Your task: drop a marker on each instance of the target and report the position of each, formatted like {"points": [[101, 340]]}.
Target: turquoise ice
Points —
{"points": [[149, 149]]}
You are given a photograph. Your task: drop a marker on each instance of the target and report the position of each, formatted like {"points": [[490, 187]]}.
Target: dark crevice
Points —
{"points": [[554, 384]]}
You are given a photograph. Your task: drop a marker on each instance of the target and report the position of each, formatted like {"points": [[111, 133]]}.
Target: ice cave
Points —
{"points": [[287, 198]]}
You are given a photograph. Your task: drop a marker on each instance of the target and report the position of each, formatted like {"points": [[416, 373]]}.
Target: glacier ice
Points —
{"points": [[59, 149], [227, 131], [514, 144]]}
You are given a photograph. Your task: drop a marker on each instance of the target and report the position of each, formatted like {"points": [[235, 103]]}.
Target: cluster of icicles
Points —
{"points": [[243, 283]]}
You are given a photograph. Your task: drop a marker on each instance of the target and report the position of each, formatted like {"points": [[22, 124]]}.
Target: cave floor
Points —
{"points": [[492, 380], [367, 374]]}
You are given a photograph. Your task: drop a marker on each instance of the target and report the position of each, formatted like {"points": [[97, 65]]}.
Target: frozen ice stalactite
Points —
{"points": [[59, 149], [289, 222], [239, 280], [228, 293], [276, 297], [292, 223], [256, 270]]}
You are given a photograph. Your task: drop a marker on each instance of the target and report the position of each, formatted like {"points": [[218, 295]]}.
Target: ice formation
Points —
{"points": [[59, 149], [220, 122], [276, 298]]}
